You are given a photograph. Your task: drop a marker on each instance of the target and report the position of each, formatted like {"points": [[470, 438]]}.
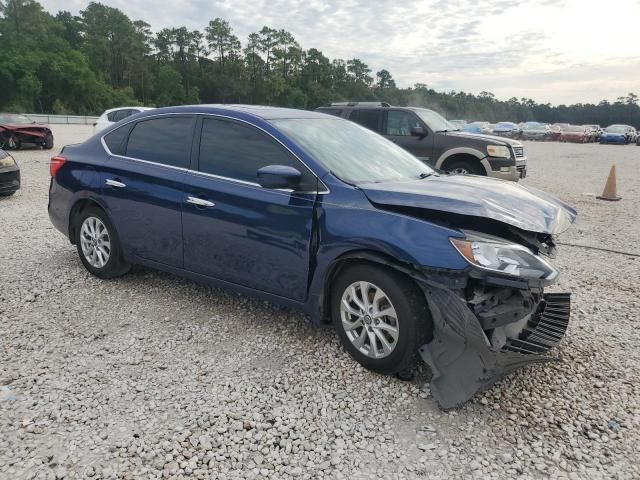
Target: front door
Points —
{"points": [[237, 231], [397, 128]]}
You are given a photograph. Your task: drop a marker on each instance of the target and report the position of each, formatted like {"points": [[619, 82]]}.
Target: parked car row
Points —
{"points": [[18, 131], [562, 132]]}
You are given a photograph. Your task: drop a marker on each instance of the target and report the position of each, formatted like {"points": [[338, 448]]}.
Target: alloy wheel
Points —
{"points": [[95, 242], [369, 319]]}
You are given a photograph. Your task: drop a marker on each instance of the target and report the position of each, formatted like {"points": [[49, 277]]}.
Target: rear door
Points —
{"points": [[397, 128], [234, 229], [143, 185], [369, 118]]}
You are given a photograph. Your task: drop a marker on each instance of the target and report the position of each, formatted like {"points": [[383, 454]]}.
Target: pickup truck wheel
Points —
{"points": [[463, 166], [381, 317], [98, 245]]}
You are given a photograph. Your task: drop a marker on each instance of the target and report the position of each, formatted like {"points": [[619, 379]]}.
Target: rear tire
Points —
{"points": [[98, 245], [7, 194], [394, 318]]}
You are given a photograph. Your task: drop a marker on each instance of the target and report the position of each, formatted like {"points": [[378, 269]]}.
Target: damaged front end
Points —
{"points": [[492, 322]]}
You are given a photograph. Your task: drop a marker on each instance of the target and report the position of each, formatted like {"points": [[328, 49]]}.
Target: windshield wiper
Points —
{"points": [[424, 175], [447, 131]]}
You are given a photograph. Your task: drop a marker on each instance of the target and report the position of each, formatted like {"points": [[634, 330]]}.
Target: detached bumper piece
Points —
{"points": [[460, 355], [545, 329]]}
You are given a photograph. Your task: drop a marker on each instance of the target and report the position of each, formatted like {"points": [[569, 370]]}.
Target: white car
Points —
{"points": [[114, 115]]}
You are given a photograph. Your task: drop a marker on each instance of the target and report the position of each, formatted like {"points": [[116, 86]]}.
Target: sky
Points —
{"points": [[557, 51]]}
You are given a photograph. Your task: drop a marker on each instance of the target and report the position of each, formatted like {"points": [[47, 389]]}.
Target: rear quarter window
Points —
{"points": [[116, 141]]}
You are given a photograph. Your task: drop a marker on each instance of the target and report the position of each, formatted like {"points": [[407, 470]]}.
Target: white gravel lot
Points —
{"points": [[152, 376]]}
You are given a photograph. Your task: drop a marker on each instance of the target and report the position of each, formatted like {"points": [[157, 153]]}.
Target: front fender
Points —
{"points": [[459, 151], [389, 238]]}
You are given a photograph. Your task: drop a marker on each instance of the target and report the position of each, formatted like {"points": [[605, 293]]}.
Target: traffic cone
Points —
{"points": [[609, 192]]}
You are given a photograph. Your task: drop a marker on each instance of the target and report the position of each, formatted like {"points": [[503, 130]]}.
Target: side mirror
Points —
{"points": [[279, 176], [418, 132]]}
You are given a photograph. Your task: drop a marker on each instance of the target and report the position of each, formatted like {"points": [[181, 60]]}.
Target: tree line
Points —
{"points": [[83, 64]]}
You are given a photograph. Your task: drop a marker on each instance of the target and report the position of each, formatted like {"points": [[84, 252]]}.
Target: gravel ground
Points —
{"points": [[152, 376]]}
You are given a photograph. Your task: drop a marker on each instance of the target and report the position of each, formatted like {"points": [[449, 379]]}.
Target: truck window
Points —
{"points": [[367, 118], [400, 123]]}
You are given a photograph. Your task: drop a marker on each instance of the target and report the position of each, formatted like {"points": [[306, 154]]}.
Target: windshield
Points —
{"points": [[351, 152], [11, 118], [535, 127], [434, 120], [574, 129], [615, 129]]}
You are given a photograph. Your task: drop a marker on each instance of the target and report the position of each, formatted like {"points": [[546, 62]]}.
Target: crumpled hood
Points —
{"points": [[522, 207]]}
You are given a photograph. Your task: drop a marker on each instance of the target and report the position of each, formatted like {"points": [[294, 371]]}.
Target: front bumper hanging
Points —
{"points": [[460, 355]]}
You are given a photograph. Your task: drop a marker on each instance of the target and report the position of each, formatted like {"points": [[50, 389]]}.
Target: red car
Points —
{"points": [[574, 134], [556, 131], [19, 130]]}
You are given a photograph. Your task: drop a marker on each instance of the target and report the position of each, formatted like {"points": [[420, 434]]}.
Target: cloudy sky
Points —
{"points": [[558, 51]]}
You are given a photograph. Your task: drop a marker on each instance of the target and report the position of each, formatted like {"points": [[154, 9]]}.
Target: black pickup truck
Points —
{"points": [[434, 140]]}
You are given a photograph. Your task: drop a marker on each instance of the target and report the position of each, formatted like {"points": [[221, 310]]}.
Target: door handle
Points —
{"points": [[115, 183], [200, 202]]}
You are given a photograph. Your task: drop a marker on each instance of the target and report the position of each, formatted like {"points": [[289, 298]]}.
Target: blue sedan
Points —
{"points": [[322, 215], [615, 134]]}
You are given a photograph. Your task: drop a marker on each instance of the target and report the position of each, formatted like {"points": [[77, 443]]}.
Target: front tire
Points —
{"points": [[381, 317], [48, 142], [98, 245], [461, 166]]}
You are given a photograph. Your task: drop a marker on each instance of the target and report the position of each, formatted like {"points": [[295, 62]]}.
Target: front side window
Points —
{"points": [[400, 123], [434, 120], [237, 151], [162, 140], [367, 118]]}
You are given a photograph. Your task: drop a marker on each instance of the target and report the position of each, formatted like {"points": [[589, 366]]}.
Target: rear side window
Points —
{"points": [[238, 151], [116, 141], [367, 118], [162, 140], [120, 114], [331, 111]]}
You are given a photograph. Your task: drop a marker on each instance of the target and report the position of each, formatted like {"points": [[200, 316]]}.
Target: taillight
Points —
{"points": [[56, 162]]}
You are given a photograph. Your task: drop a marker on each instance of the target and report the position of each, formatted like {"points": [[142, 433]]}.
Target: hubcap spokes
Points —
{"points": [[369, 319], [95, 242]]}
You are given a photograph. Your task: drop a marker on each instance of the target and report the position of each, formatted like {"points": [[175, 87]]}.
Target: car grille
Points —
{"points": [[545, 329], [518, 152]]}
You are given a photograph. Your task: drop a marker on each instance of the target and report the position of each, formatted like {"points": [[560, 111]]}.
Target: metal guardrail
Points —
{"points": [[62, 119]]}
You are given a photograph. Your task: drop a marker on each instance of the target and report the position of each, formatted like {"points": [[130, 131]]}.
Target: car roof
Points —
{"points": [[260, 111]]}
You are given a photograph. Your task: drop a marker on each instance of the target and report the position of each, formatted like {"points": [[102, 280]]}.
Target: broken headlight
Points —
{"points": [[500, 256]]}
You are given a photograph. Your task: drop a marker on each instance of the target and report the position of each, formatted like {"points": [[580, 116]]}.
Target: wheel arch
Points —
{"points": [[80, 205], [355, 257], [463, 153]]}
